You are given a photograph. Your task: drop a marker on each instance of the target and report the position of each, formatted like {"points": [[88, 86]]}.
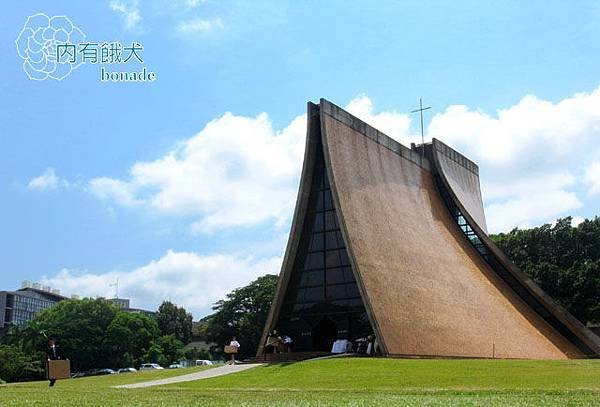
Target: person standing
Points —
{"points": [[234, 344], [287, 343], [53, 354], [370, 345]]}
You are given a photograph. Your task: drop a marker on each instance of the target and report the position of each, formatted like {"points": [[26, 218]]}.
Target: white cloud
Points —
{"points": [[237, 171], [592, 178], [533, 131], [48, 180], [394, 124], [114, 189], [188, 279], [576, 221], [200, 25], [129, 12], [530, 201], [533, 182], [529, 154]]}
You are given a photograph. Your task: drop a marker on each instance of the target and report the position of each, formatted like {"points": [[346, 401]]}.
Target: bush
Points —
{"points": [[17, 366]]}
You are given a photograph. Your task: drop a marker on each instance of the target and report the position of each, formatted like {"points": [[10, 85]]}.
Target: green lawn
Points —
{"points": [[346, 381]]}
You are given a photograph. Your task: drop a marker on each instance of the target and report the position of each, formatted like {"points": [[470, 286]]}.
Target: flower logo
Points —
{"points": [[38, 44]]}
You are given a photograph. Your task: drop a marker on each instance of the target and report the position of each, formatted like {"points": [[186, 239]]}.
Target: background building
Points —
{"points": [[123, 304], [20, 306]]}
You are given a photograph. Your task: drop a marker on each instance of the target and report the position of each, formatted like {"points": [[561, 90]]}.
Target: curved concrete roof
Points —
{"points": [[463, 178]]}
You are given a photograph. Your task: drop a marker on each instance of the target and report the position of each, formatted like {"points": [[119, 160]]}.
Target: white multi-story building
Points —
{"points": [[20, 306]]}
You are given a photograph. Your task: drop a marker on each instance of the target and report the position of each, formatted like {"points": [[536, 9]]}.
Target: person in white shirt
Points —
{"points": [[287, 343], [234, 343]]}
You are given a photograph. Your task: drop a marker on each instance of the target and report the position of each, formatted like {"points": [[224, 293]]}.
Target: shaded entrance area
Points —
{"points": [[323, 335], [322, 301]]}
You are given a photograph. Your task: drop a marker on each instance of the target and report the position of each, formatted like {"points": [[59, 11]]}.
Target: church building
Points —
{"points": [[392, 242]]}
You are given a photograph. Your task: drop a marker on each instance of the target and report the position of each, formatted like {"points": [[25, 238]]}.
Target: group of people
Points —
{"points": [[367, 346], [363, 346], [278, 343]]}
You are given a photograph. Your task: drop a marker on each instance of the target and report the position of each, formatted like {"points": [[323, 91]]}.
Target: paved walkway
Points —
{"points": [[204, 374]]}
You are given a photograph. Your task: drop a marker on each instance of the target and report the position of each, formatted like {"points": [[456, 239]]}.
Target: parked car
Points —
{"points": [[127, 370], [93, 372], [175, 366], [78, 374], [203, 362], [151, 366], [101, 372]]}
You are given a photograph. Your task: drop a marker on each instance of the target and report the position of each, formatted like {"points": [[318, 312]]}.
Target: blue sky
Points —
{"points": [[183, 188]]}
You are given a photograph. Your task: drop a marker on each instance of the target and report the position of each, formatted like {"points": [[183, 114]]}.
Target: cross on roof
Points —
{"points": [[420, 110]]}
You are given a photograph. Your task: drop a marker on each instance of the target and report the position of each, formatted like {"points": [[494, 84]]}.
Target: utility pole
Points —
{"points": [[116, 285]]}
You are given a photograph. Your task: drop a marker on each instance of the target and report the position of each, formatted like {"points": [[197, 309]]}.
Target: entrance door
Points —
{"points": [[324, 334]]}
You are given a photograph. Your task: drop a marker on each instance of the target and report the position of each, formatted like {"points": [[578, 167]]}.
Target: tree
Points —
{"points": [[155, 355], [165, 350], [80, 327], [24, 337], [174, 320], [242, 314], [172, 348], [16, 366], [563, 260], [199, 331], [129, 337]]}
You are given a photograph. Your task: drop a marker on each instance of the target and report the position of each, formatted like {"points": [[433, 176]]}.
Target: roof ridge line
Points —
{"points": [[341, 115]]}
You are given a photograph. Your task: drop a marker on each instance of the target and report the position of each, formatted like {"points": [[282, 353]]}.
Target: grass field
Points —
{"points": [[346, 381]]}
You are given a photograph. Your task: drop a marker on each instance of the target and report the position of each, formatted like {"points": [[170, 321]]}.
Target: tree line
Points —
{"points": [[564, 260], [95, 333]]}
